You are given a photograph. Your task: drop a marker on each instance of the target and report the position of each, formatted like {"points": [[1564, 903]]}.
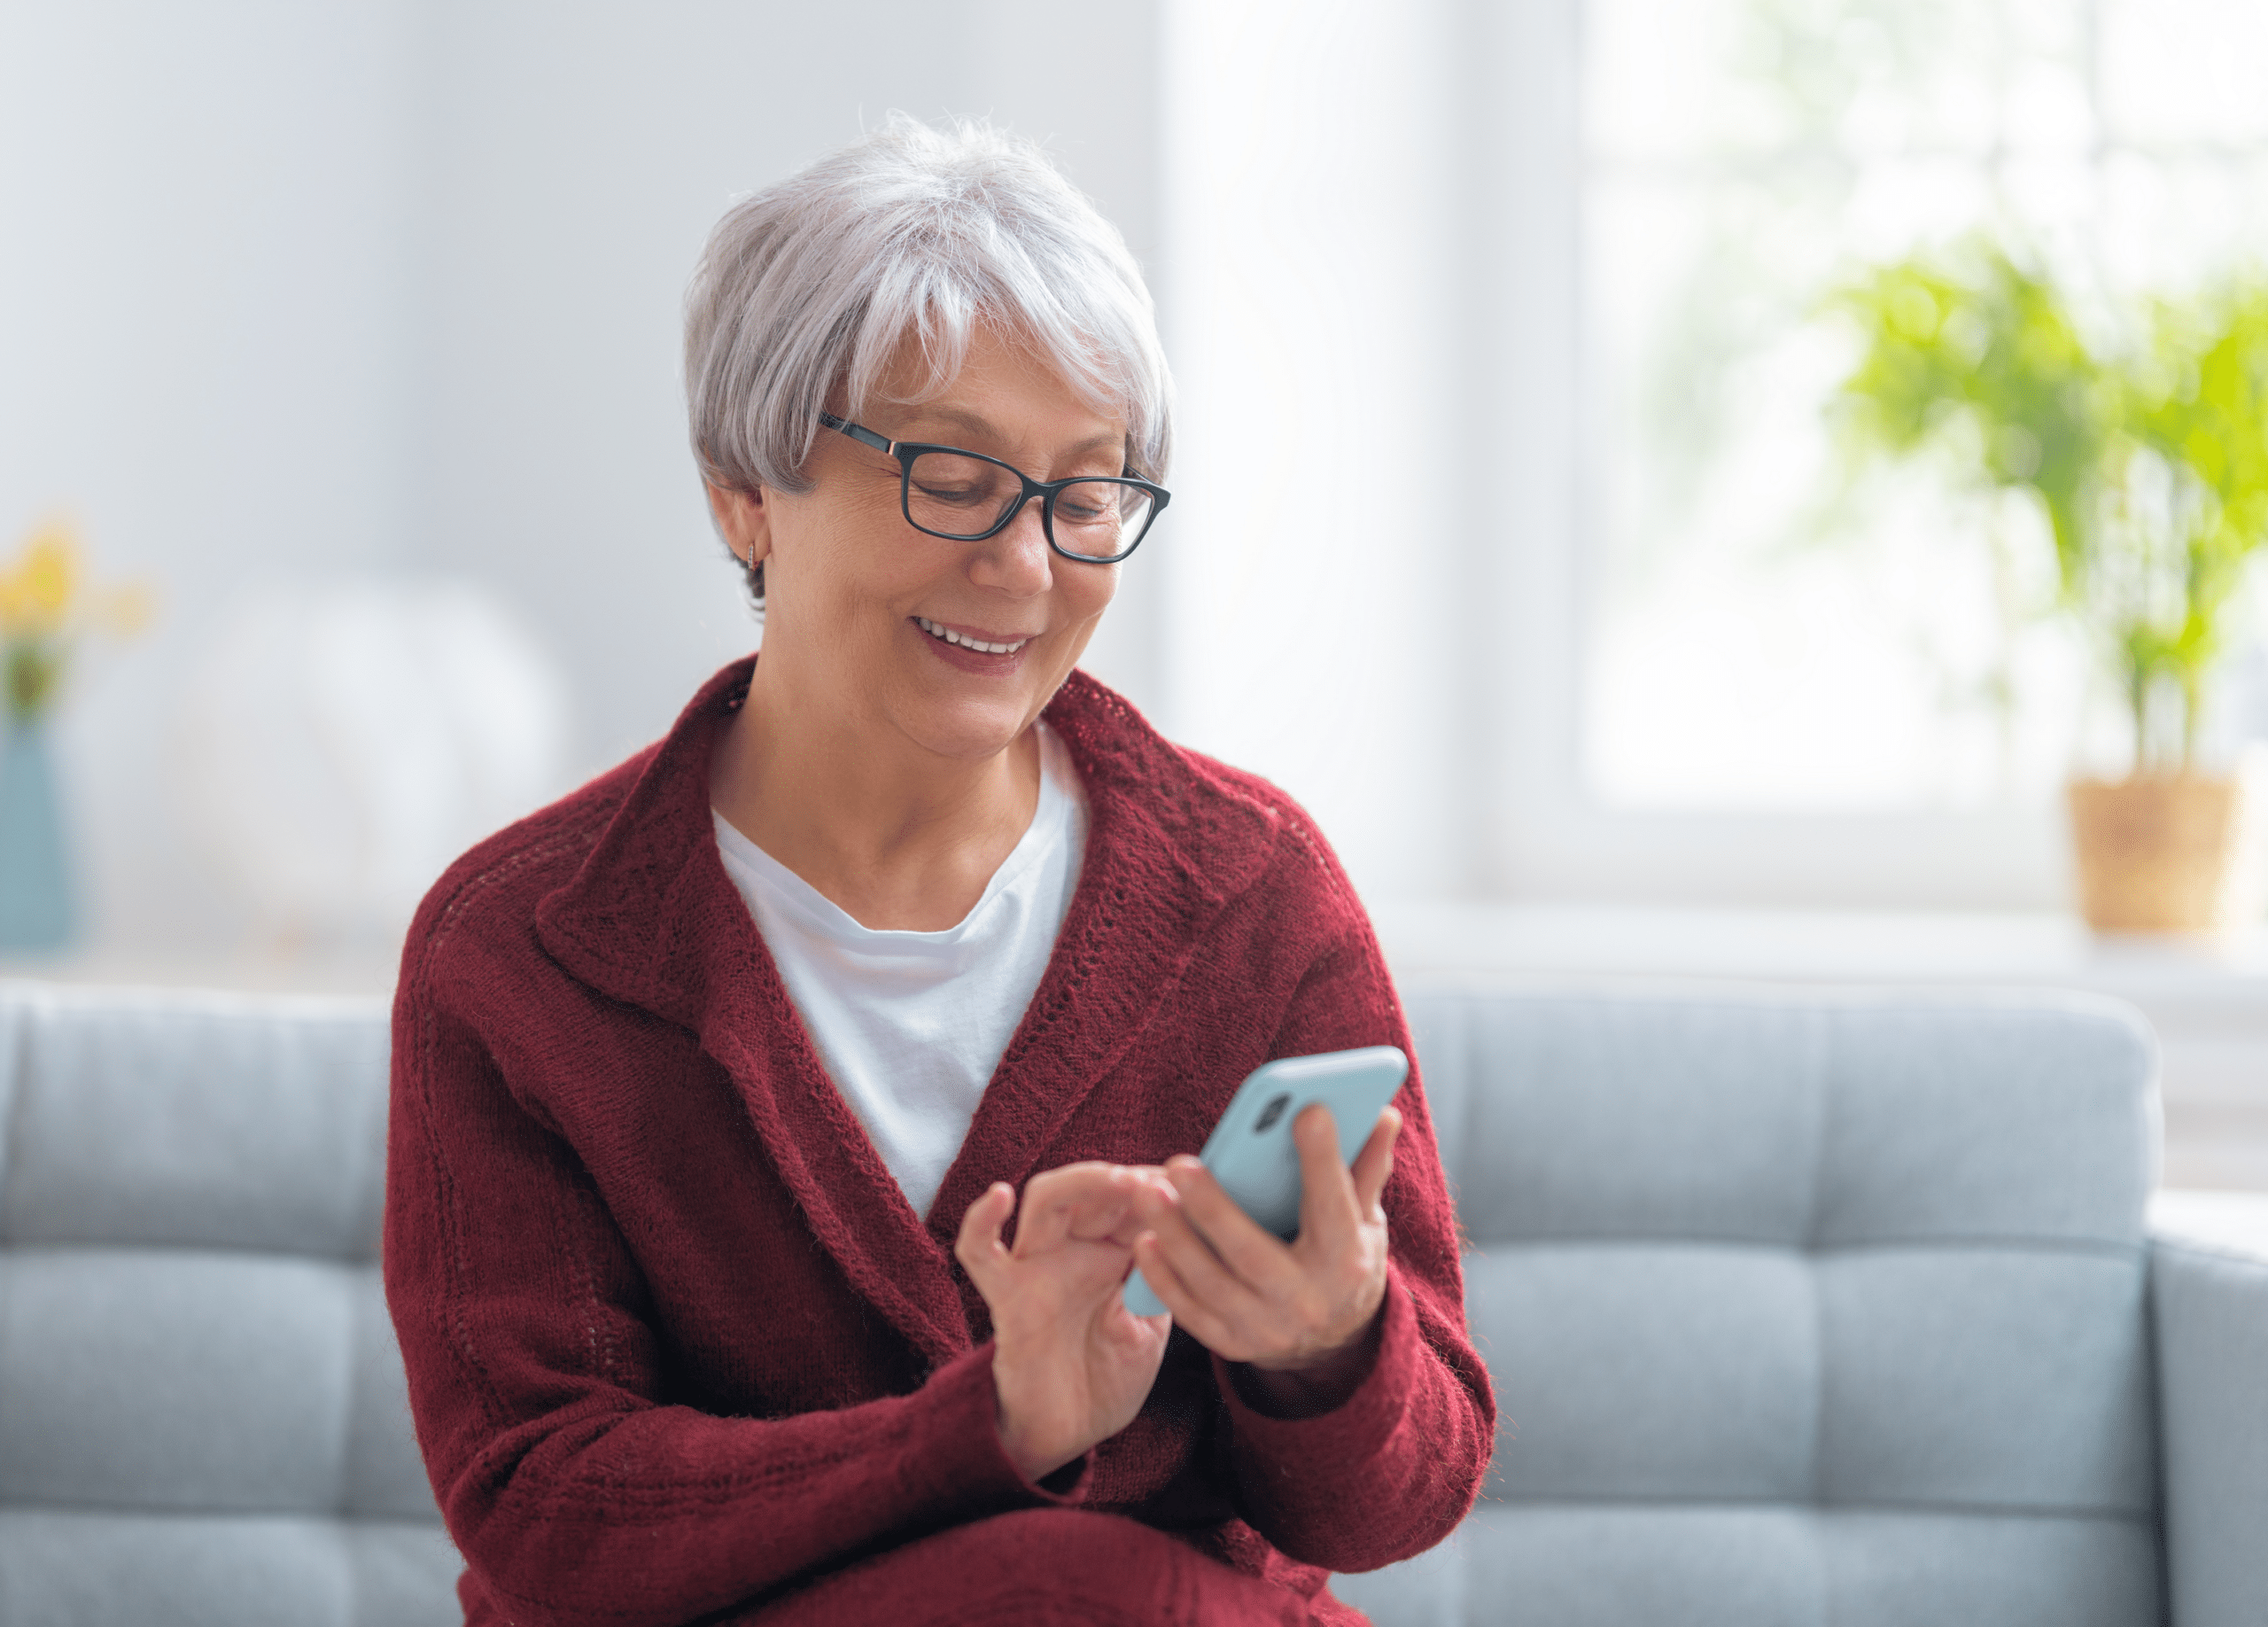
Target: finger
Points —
{"points": [[1329, 1215], [1112, 1210], [1151, 1197], [1211, 1282], [1375, 1163], [1253, 1254], [1089, 1199], [1161, 1215], [1191, 1312], [1046, 1217], [1133, 1275], [978, 1247]]}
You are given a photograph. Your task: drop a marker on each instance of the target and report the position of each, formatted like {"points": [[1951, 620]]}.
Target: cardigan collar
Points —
{"points": [[652, 920]]}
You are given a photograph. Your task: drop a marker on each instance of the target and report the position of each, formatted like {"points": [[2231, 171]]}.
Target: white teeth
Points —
{"points": [[935, 631]]}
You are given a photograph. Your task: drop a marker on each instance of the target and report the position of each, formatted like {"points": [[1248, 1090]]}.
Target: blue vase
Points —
{"points": [[36, 901]]}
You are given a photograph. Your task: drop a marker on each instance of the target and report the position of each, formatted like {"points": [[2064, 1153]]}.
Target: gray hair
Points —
{"points": [[817, 281]]}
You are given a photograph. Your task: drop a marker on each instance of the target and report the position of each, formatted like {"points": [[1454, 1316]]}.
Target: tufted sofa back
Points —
{"points": [[1799, 1311], [202, 1411]]}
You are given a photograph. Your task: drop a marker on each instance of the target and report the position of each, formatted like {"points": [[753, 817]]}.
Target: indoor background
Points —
{"points": [[1510, 532]]}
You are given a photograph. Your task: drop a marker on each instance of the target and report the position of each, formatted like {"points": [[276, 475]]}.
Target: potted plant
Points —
{"points": [[2149, 467]]}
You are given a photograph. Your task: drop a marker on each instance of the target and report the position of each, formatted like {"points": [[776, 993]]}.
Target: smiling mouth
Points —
{"points": [[945, 635]]}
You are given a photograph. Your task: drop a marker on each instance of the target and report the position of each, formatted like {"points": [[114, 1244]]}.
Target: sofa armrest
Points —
{"points": [[2208, 1290]]}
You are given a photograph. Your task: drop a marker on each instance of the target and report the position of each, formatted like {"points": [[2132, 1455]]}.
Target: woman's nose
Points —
{"points": [[1016, 559]]}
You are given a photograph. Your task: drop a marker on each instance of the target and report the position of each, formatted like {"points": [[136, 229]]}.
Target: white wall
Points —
{"points": [[394, 285], [579, 155], [1323, 609], [208, 226]]}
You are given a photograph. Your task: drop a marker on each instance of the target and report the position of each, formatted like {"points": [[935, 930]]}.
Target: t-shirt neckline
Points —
{"points": [[823, 915]]}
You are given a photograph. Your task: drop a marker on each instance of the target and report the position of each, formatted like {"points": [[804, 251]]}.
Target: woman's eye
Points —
{"points": [[960, 495]]}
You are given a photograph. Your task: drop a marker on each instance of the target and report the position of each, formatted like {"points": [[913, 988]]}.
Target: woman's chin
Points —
{"points": [[969, 715], [965, 728]]}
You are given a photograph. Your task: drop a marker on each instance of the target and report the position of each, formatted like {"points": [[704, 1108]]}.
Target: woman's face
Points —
{"points": [[856, 600]]}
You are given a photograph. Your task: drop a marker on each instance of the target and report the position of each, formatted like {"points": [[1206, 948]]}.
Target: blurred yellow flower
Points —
{"points": [[36, 592], [46, 605]]}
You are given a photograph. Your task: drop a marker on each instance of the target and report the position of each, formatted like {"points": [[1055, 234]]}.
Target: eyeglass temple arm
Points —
{"points": [[860, 433]]}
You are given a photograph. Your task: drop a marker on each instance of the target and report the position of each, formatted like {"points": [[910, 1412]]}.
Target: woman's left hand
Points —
{"points": [[1301, 1310]]}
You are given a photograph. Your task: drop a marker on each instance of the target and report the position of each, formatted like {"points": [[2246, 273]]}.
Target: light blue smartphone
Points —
{"points": [[1251, 1152]]}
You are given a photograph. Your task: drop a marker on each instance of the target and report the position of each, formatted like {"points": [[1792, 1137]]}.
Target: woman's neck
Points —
{"points": [[898, 835]]}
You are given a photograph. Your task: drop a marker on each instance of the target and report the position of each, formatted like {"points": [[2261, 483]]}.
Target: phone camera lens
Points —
{"points": [[1273, 1111]]}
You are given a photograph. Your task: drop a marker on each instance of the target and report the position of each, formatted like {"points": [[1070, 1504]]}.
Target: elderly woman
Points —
{"points": [[718, 1084]]}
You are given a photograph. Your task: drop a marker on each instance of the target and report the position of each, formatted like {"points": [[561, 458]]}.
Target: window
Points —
{"points": [[1496, 536], [1761, 635]]}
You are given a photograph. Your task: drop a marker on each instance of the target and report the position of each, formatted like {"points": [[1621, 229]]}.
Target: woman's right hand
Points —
{"points": [[1071, 1365]]}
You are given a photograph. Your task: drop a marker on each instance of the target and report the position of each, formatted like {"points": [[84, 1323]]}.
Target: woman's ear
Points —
{"points": [[744, 520]]}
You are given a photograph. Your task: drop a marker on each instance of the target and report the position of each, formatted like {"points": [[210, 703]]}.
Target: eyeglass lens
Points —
{"points": [[955, 495]]}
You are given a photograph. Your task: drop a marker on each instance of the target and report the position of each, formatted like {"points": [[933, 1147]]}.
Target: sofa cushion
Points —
{"points": [[95, 1570], [192, 1120], [155, 1379], [1788, 1119], [1733, 1565], [202, 1414], [1787, 1295]]}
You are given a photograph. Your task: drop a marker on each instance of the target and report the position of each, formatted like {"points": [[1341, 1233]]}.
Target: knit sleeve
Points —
{"points": [[1395, 1466], [576, 1491]]}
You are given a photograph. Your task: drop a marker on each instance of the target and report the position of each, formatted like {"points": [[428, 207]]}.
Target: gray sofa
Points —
{"points": [[1810, 1308], [203, 1418], [1802, 1309]]}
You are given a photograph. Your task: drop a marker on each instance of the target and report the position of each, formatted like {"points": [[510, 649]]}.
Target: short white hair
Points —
{"points": [[815, 282]]}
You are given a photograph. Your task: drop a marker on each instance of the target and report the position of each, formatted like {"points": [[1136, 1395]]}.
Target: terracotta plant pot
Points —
{"points": [[2158, 853]]}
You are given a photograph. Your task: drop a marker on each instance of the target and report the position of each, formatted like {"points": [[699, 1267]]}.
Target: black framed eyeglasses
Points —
{"points": [[966, 497]]}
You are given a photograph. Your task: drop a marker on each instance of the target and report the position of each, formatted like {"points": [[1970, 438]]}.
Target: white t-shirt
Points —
{"points": [[910, 1025]]}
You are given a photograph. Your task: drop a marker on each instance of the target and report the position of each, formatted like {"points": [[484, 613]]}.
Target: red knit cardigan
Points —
{"points": [[677, 1342]]}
